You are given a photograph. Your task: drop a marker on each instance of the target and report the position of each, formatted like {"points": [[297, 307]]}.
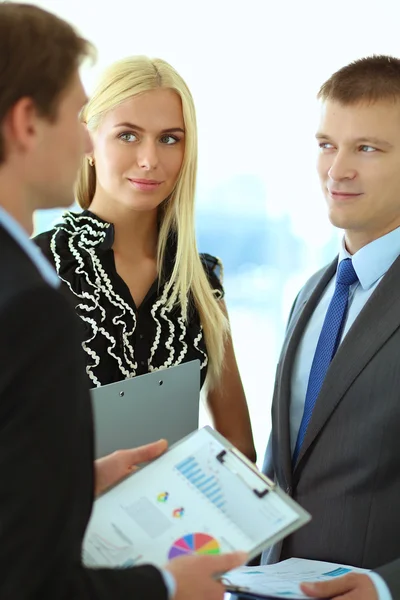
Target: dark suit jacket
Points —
{"points": [[348, 471], [46, 448]]}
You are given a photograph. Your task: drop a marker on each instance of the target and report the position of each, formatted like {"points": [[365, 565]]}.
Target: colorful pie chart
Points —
{"points": [[163, 497], [194, 543]]}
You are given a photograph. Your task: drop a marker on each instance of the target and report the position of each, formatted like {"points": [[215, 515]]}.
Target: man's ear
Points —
{"points": [[22, 126]]}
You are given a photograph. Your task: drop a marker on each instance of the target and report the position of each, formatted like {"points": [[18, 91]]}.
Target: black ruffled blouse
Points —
{"points": [[119, 340]]}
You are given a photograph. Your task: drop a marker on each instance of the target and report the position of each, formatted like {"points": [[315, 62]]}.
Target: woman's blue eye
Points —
{"points": [[127, 137], [169, 139]]}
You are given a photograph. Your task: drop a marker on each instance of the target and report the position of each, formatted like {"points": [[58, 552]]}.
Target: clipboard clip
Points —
{"points": [[230, 587], [246, 471]]}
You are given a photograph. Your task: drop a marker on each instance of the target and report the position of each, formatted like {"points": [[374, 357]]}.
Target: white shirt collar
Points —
{"points": [[372, 261]]}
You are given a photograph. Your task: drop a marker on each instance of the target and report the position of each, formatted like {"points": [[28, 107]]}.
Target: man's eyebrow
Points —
{"points": [[373, 140], [320, 135]]}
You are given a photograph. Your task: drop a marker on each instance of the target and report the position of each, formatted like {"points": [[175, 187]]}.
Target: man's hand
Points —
{"points": [[194, 575], [354, 586], [114, 467]]}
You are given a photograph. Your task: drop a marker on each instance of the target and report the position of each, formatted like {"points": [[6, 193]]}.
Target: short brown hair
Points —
{"points": [[365, 80], [39, 54]]}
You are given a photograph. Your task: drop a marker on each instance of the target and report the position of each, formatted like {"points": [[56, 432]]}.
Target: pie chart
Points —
{"points": [[194, 543], [163, 497]]}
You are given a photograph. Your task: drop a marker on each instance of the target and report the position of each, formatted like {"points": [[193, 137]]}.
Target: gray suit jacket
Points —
{"points": [[348, 471]]}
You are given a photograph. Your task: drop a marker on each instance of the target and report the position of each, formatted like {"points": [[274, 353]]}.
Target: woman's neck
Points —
{"points": [[135, 233]]}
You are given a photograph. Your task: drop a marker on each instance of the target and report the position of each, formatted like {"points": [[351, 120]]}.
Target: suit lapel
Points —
{"points": [[307, 302], [377, 321]]}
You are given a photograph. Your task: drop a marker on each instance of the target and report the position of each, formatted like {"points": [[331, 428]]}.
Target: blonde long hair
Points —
{"points": [[121, 81]]}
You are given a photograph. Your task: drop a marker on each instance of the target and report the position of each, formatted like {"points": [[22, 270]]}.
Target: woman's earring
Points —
{"points": [[91, 161]]}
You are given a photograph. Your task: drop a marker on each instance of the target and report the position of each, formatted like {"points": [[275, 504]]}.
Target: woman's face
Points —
{"points": [[138, 150]]}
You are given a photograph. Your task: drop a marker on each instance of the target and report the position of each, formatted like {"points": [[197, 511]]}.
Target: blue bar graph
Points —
{"points": [[210, 487], [206, 484]]}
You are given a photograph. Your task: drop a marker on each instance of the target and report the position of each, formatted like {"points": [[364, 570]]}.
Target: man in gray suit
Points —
{"points": [[336, 408]]}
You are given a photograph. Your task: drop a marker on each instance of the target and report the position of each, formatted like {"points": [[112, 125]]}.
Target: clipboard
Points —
{"points": [[202, 496], [136, 411]]}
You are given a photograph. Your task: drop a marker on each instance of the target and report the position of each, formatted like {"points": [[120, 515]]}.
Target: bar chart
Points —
{"points": [[207, 484]]}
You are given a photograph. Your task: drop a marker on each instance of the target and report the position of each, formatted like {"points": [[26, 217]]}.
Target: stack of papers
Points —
{"points": [[283, 579]]}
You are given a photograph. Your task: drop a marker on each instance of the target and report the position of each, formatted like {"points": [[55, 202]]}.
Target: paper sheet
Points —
{"points": [[283, 579]]}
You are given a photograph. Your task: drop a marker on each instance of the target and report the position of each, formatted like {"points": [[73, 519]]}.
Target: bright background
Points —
{"points": [[254, 69]]}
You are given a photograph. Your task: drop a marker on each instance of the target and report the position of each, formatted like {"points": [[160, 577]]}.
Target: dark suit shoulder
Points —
{"points": [[17, 272], [308, 288], [33, 320], [316, 277], [43, 240], [313, 281]]}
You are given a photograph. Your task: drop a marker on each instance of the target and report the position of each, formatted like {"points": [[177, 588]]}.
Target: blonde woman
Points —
{"points": [[146, 299]]}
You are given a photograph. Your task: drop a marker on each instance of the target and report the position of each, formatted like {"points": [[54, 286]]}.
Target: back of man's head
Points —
{"points": [[371, 79], [39, 54]]}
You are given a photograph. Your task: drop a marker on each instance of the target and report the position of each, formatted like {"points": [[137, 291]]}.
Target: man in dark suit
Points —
{"points": [[46, 437], [336, 407]]}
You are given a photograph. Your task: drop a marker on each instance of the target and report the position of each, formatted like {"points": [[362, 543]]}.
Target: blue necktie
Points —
{"points": [[328, 343]]}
